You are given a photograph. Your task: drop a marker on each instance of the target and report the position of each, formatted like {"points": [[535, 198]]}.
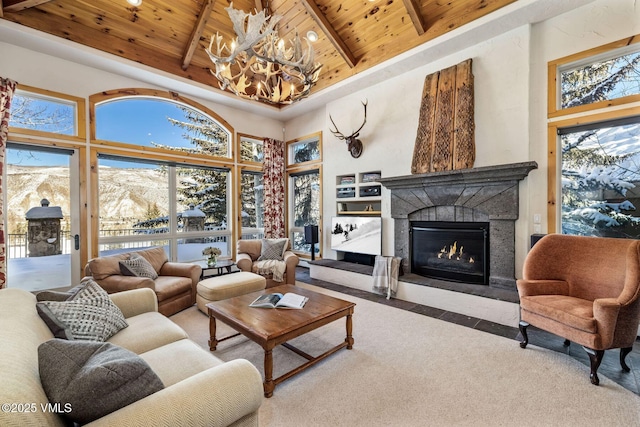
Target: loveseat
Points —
{"points": [[199, 389], [175, 284]]}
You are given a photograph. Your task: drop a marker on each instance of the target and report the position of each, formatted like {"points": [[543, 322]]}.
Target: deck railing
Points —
{"points": [[18, 245]]}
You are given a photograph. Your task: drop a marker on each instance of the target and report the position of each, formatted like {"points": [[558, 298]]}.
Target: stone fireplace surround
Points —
{"points": [[484, 194]]}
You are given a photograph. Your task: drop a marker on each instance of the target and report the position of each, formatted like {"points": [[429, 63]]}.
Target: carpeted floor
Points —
{"points": [[411, 370]]}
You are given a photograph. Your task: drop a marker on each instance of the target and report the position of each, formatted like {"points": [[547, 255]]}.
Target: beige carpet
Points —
{"points": [[411, 370]]}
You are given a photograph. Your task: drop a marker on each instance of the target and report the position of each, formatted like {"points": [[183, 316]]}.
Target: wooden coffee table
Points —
{"points": [[272, 327]]}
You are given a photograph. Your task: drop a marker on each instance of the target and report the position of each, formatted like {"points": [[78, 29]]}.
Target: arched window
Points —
{"points": [[160, 123]]}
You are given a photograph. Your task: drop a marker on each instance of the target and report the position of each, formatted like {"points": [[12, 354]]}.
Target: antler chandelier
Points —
{"points": [[257, 65]]}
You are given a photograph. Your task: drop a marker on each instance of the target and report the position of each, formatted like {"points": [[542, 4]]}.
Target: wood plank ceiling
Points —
{"points": [[171, 35]]}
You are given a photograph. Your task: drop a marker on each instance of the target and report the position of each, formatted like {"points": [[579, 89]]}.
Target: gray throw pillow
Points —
{"points": [[137, 266], [88, 315], [58, 328], [58, 296], [273, 249], [94, 379]]}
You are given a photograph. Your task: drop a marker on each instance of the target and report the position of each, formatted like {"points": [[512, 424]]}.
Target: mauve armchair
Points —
{"points": [[584, 289]]}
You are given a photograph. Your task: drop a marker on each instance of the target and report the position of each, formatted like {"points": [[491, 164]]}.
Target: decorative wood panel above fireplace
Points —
{"points": [[486, 194]]}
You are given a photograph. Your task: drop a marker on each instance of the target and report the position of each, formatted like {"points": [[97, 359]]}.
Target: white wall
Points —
{"points": [[510, 73], [500, 68]]}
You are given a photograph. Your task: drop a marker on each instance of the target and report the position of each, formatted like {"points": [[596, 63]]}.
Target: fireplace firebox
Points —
{"points": [[454, 251]]}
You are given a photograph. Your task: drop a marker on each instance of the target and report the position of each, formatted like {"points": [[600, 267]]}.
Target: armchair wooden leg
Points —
{"points": [[523, 330], [595, 357], [623, 353]]}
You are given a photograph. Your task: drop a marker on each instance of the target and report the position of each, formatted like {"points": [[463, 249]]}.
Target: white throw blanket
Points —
{"points": [[272, 266], [385, 275]]}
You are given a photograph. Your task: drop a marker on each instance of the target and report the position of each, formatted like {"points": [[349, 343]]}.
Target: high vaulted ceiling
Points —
{"points": [[171, 35]]}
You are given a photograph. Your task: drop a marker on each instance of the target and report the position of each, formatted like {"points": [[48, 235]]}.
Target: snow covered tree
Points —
{"points": [[595, 184], [205, 188], [601, 165]]}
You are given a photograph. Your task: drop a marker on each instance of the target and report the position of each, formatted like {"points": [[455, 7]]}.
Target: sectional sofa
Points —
{"points": [[199, 389]]}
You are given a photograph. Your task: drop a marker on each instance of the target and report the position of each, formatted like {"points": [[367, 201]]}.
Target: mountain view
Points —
{"points": [[127, 195]]}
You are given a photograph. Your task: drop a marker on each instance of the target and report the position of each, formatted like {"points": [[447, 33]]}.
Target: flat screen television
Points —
{"points": [[357, 234]]}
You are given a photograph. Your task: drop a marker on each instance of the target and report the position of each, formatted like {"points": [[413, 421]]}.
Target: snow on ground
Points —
{"points": [[54, 271]]}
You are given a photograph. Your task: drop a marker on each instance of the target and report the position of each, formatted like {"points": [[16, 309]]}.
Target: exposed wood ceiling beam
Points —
{"points": [[17, 6], [205, 12], [332, 35], [413, 9]]}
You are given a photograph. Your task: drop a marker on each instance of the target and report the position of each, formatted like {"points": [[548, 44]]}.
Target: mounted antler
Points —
{"points": [[354, 145]]}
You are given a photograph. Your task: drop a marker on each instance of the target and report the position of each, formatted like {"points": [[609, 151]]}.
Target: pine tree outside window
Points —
{"points": [[601, 179], [304, 174], [594, 145], [162, 124], [252, 204]]}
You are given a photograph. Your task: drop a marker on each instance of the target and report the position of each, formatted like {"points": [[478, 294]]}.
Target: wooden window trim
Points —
{"points": [[239, 137], [152, 93], [590, 113], [82, 172], [81, 116], [301, 139], [553, 67]]}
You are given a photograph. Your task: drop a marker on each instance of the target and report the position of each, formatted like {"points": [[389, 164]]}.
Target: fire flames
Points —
{"points": [[453, 253]]}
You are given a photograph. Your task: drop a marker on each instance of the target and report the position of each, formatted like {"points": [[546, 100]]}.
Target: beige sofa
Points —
{"points": [[175, 286], [199, 389]]}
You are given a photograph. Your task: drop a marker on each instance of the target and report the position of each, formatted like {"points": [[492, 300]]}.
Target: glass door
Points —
{"points": [[42, 219]]}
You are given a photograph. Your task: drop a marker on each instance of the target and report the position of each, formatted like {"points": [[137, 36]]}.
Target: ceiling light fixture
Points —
{"points": [[257, 65], [135, 3], [312, 36]]}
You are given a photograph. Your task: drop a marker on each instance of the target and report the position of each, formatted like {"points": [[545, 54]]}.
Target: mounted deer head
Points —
{"points": [[354, 145]]}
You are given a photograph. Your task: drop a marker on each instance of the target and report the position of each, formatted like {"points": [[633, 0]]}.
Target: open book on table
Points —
{"points": [[277, 300]]}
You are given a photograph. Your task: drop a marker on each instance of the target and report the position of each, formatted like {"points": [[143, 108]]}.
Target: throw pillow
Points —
{"points": [[137, 266], [89, 315], [273, 249], [58, 296], [95, 379], [58, 328]]}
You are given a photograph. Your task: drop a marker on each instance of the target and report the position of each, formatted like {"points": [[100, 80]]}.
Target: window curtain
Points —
{"points": [[7, 89], [274, 197]]}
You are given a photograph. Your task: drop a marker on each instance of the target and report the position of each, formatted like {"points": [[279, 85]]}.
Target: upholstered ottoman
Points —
{"points": [[227, 286]]}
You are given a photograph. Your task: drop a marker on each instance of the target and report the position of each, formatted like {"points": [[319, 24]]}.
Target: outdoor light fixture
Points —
{"points": [[135, 3], [257, 65]]}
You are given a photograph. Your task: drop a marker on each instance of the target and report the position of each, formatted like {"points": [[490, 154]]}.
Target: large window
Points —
{"points": [[252, 204], [594, 150], [304, 171], [164, 175], [146, 204], [601, 179]]}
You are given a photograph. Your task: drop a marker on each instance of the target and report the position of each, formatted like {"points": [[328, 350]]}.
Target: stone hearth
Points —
{"points": [[485, 194]]}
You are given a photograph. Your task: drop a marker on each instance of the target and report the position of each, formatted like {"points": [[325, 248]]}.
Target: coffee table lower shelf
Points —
{"points": [[296, 327]]}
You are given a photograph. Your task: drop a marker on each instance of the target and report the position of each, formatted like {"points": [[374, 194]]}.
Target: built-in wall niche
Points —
{"points": [[359, 194]]}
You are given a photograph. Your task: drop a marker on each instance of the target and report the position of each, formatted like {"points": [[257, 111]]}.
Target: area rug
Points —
{"points": [[406, 369]]}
